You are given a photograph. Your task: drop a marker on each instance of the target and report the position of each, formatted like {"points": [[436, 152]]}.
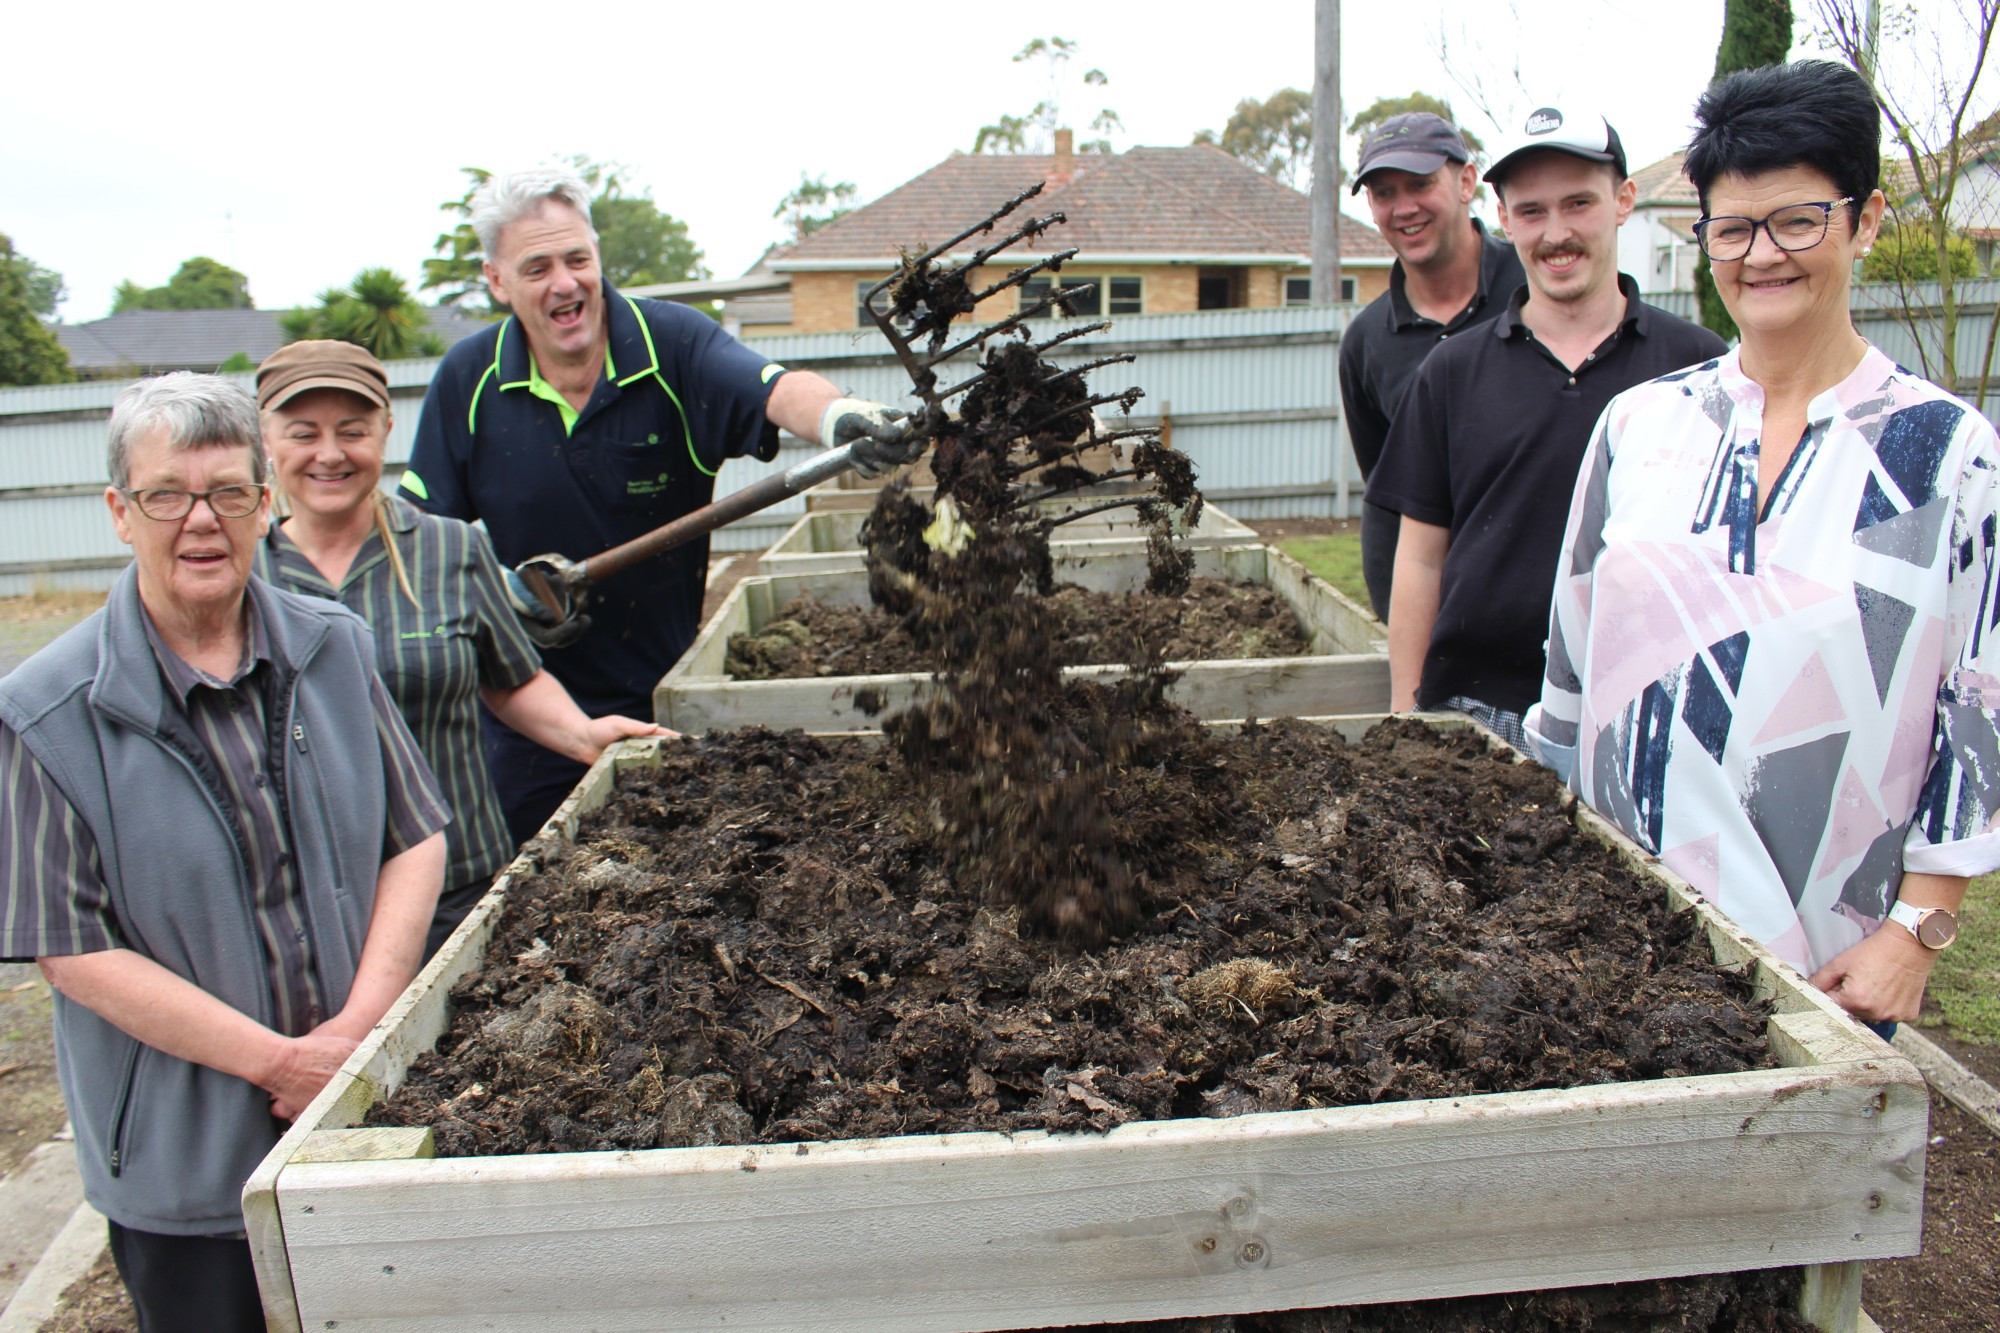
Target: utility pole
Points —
{"points": [[1871, 42], [1326, 153]]}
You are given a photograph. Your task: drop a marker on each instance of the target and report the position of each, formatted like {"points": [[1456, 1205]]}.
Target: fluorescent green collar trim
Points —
{"points": [[545, 391], [548, 392], [652, 366]]}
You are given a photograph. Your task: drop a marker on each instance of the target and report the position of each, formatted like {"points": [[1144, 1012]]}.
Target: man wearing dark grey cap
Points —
{"points": [[1449, 276], [1485, 450]]}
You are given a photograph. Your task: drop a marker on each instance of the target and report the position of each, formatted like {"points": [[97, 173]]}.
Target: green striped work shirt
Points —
{"points": [[434, 656]]}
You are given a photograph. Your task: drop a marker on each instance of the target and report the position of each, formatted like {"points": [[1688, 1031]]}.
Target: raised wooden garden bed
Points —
{"points": [[1346, 672], [826, 542], [1816, 1163]]}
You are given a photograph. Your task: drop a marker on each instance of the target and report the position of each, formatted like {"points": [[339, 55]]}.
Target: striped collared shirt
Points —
{"points": [[55, 900], [434, 655]]}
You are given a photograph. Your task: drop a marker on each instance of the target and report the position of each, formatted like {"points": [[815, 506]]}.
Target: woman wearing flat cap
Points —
{"points": [[1768, 660], [446, 639]]}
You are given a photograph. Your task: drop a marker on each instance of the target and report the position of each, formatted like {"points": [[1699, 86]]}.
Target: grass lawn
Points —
{"points": [[1335, 557], [1966, 981]]}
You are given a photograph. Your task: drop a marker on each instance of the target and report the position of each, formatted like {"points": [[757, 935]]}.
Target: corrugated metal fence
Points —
{"points": [[1251, 394]]}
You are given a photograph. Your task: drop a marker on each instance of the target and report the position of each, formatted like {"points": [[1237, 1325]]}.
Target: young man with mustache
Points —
{"points": [[1486, 447]]}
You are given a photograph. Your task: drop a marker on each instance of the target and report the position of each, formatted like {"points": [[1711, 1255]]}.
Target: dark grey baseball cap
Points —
{"points": [[1416, 141]]}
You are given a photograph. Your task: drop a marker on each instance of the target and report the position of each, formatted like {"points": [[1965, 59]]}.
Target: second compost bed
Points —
{"points": [[1214, 620]]}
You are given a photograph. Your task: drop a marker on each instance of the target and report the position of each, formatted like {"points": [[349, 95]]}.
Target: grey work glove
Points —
{"points": [[878, 436], [540, 622]]}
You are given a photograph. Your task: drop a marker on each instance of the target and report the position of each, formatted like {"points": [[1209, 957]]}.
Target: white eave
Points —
{"points": [[1089, 259], [704, 289]]}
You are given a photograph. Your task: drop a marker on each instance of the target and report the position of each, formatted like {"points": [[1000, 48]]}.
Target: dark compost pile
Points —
{"points": [[761, 941], [1213, 620]]}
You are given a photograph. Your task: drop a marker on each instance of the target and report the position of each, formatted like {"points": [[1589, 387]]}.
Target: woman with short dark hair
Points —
{"points": [[1767, 655]]}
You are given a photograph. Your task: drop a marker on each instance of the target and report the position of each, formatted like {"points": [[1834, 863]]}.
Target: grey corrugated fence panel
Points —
{"points": [[1252, 394], [1683, 304], [1270, 373]]}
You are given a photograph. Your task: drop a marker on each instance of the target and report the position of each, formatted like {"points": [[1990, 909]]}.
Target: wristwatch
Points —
{"points": [[1934, 927]]}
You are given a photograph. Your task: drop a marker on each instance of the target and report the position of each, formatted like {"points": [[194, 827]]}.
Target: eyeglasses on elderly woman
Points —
{"points": [[166, 505], [1793, 227]]}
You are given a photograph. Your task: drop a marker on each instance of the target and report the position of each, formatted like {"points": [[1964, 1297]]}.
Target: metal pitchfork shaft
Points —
{"points": [[560, 584]]}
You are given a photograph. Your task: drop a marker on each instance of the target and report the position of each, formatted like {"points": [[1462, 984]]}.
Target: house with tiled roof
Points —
{"points": [[152, 342], [1656, 244], [1975, 199], [1156, 230]]}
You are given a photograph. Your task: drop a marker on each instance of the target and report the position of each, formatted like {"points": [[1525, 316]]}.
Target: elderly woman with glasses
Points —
{"points": [[1767, 655], [446, 638]]}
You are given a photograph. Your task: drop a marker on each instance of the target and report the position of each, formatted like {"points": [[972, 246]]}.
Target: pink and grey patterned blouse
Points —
{"points": [[1793, 708]]}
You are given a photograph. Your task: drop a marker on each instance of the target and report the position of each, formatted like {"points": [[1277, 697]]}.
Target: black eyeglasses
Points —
{"points": [[168, 506], [1791, 228]]}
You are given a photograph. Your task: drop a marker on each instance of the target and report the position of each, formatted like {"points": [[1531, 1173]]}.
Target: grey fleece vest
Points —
{"points": [[165, 1145]]}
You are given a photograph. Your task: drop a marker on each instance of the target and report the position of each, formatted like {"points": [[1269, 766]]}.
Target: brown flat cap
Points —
{"points": [[320, 363]]}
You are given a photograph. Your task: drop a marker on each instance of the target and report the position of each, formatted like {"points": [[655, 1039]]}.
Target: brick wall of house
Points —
{"points": [[822, 301], [825, 302]]}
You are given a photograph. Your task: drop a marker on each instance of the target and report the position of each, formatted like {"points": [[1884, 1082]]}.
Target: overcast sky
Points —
{"points": [[300, 143]]}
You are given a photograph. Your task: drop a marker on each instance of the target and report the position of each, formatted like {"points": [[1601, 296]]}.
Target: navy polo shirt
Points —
{"points": [[495, 442], [1381, 348], [1488, 443]]}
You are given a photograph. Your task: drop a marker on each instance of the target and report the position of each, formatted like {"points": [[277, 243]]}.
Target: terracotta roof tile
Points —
{"points": [[1662, 182], [1165, 201]]}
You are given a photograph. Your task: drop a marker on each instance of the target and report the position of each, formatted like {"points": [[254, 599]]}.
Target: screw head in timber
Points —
{"points": [[1207, 1245], [1253, 1253], [1237, 1206]]}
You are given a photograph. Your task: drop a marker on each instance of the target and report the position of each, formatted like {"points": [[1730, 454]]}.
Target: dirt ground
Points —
{"points": [[1954, 1286], [31, 1105]]}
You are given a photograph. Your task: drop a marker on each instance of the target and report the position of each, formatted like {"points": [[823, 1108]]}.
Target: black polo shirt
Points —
{"points": [[495, 442], [1488, 444], [1382, 346]]}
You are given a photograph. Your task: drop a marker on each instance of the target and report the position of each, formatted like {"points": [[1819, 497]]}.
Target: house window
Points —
{"points": [[1299, 289], [1086, 304], [1127, 297], [1218, 289], [862, 319]]}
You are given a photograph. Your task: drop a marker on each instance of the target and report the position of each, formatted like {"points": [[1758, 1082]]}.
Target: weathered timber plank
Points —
{"points": [[1253, 687], [1832, 1297], [388, 1143], [829, 541], [1811, 1037], [977, 1232], [1337, 623]]}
